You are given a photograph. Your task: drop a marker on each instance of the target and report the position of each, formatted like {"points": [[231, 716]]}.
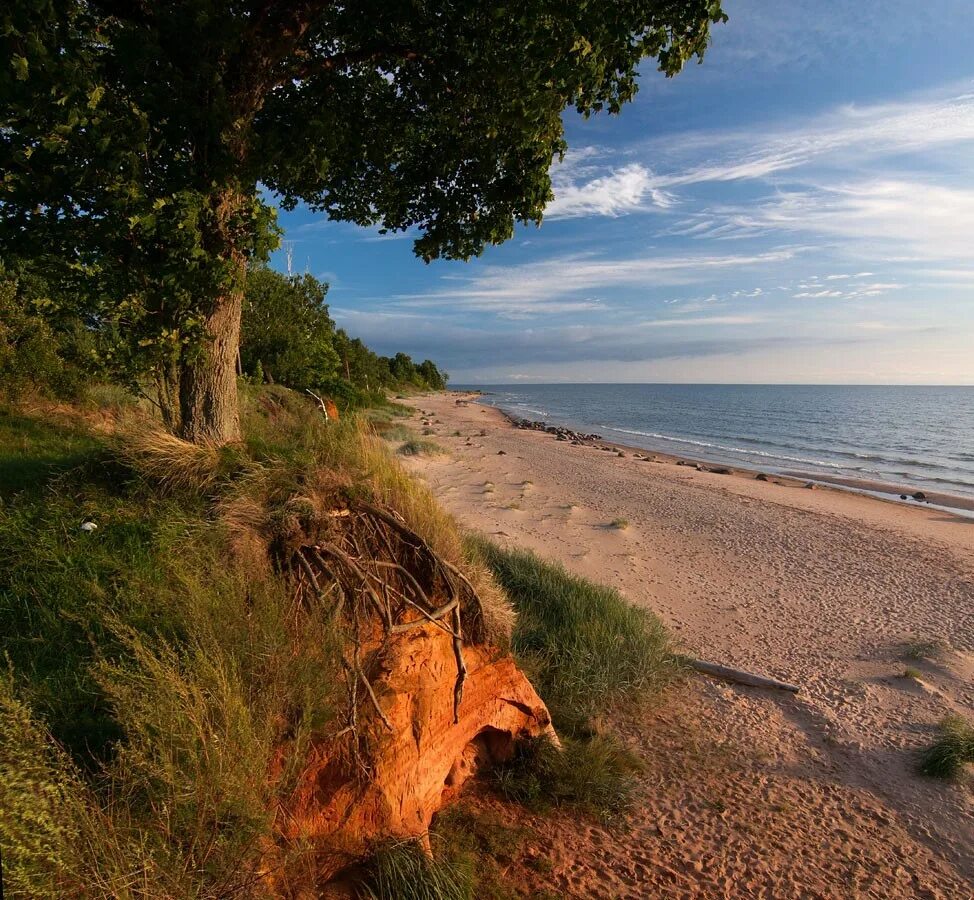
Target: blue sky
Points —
{"points": [[799, 208]]}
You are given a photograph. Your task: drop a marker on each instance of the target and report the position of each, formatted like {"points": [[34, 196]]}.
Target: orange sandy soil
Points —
{"points": [[747, 793]]}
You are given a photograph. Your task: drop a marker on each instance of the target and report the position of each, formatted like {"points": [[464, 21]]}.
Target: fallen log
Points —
{"points": [[738, 676]]}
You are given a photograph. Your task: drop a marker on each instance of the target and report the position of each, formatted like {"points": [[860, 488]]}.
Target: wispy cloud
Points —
{"points": [[884, 219], [848, 133], [571, 283]]}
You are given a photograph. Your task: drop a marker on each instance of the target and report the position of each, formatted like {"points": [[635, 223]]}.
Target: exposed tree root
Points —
{"points": [[386, 581]]}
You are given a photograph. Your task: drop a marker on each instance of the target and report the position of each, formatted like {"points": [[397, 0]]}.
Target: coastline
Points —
{"points": [[900, 494], [828, 589]]}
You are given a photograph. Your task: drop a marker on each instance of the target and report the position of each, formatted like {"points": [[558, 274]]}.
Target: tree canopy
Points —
{"points": [[135, 136]]}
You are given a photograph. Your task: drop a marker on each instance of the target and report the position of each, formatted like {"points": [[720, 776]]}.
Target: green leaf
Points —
{"points": [[20, 67]]}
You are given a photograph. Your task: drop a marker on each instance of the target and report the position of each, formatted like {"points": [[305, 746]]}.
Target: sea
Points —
{"points": [[916, 436]]}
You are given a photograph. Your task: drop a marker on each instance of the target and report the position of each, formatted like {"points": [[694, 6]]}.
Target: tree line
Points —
{"points": [[58, 342]]}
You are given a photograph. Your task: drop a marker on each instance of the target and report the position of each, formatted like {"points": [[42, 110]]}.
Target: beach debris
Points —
{"points": [[920, 496], [738, 676], [502, 453], [682, 462], [620, 453], [761, 477], [810, 486], [721, 470], [904, 497], [89, 526]]}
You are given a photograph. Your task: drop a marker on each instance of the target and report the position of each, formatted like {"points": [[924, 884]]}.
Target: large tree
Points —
{"points": [[138, 137]]}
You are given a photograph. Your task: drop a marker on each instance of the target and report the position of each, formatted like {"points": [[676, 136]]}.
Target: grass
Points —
{"points": [[953, 750], [586, 648], [404, 871], [397, 433], [417, 447], [116, 638], [34, 449], [594, 775], [912, 673], [471, 851], [159, 687], [621, 524], [920, 649]]}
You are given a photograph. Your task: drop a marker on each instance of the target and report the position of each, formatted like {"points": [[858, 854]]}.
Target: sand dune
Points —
{"points": [[752, 793]]}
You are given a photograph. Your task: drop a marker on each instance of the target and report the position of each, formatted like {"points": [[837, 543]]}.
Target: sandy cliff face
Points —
{"points": [[420, 763]]}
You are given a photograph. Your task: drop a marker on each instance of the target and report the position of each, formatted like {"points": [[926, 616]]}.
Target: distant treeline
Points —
{"points": [[57, 344]]}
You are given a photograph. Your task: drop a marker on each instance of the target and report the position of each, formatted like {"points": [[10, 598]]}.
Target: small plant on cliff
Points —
{"points": [[952, 751]]}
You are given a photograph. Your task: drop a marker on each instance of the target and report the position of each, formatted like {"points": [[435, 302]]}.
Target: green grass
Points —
{"points": [[595, 775], [419, 448], [32, 450], [911, 673], [471, 853], [159, 687], [920, 649], [148, 687], [405, 872], [587, 649], [953, 750], [397, 433]]}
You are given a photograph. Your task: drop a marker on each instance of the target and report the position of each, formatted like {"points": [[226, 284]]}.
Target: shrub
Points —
{"points": [[952, 751], [39, 351], [394, 432], [418, 447]]}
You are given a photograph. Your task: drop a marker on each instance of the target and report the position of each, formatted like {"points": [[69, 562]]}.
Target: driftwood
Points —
{"points": [[739, 676]]}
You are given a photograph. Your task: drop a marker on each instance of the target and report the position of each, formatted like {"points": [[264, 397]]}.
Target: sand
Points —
{"points": [[750, 793]]}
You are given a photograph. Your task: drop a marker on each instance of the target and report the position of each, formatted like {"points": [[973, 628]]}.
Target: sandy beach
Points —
{"points": [[750, 793]]}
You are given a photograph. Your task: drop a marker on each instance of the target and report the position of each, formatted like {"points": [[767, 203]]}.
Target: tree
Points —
{"points": [[402, 369], [435, 379], [135, 136], [286, 329]]}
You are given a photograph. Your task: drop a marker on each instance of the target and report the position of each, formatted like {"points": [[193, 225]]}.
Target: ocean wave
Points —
{"points": [[743, 450]]}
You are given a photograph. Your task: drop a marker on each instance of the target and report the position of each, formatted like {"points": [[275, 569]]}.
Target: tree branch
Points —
{"points": [[338, 61]]}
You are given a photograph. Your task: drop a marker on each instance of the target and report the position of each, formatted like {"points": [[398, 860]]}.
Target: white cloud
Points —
{"points": [[620, 191]]}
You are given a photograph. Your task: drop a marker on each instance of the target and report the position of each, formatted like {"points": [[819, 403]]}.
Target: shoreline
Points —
{"points": [[899, 494], [868, 607]]}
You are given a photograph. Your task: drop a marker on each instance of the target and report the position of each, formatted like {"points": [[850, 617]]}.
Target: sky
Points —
{"points": [[797, 209]]}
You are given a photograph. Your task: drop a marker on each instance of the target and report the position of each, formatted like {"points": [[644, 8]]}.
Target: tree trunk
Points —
{"points": [[209, 412], [167, 376], [208, 384]]}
